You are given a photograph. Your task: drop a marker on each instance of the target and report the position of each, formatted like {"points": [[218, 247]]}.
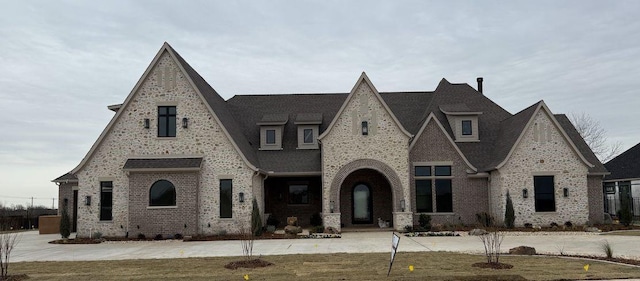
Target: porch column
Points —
{"points": [[402, 219], [331, 220]]}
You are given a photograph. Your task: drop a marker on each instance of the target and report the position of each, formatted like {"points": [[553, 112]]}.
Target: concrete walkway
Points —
{"points": [[34, 247]]}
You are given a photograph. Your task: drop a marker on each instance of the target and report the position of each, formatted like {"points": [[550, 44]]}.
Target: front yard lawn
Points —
{"points": [[427, 266]]}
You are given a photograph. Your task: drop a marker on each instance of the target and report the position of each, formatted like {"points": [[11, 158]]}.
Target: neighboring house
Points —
{"points": [[622, 186], [177, 158]]}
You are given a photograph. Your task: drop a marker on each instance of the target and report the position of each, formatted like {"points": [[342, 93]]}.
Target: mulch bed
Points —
{"points": [[492, 265], [254, 263], [76, 241], [235, 237]]}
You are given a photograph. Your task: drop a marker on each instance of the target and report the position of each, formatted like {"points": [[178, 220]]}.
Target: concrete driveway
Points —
{"points": [[34, 247]]}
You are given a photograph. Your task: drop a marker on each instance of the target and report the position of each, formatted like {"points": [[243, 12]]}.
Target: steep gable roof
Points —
{"points": [[219, 111], [214, 102], [541, 106], [625, 165], [430, 118], [364, 79]]}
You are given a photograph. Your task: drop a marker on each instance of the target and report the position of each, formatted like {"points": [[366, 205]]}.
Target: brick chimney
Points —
{"points": [[479, 84]]}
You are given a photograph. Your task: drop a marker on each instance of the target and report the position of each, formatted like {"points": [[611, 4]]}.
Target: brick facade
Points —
{"points": [[470, 195], [171, 220]]}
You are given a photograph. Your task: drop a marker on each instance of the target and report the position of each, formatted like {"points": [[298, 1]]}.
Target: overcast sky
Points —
{"points": [[63, 62]]}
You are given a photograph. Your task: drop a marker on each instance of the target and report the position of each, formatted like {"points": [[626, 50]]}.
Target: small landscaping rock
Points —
{"points": [[592, 229], [607, 218], [477, 232], [522, 250], [291, 229]]}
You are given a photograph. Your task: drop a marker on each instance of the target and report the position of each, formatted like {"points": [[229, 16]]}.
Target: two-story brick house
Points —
{"points": [[177, 158]]}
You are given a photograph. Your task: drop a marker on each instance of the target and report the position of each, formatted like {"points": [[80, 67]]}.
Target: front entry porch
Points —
{"points": [[366, 200]]}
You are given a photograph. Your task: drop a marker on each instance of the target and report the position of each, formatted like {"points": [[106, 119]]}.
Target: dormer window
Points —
{"points": [[308, 136], [463, 121], [271, 130], [308, 130], [467, 129], [270, 136]]}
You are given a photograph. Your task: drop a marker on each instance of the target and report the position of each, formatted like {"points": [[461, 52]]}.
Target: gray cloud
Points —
{"points": [[62, 62]]}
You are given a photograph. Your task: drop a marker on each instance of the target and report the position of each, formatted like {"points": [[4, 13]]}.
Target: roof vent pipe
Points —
{"points": [[479, 84]]}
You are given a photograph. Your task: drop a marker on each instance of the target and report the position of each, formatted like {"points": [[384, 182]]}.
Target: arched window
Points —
{"points": [[162, 193]]}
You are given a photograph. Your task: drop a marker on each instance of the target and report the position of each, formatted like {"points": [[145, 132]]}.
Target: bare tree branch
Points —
{"points": [[595, 136]]}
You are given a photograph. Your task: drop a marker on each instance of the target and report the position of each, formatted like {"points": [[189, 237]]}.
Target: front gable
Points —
{"points": [[364, 104], [433, 134], [168, 84], [543, 128]]}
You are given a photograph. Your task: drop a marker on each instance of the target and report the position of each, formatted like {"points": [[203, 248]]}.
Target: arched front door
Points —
{"points": [[362, 204]]}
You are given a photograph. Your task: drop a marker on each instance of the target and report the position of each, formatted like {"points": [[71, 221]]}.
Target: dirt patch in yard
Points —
{"points": [[254, 263]]}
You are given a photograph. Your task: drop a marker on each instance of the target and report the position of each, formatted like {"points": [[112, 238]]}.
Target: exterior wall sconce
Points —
{"points": [[565, 192], [365, 128], [241, 197], [525, 193], [332, 206], [146, 123], [87, 200], [402, 205], [185, 122]]}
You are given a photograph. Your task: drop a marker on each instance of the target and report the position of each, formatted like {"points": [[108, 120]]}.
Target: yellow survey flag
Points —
{"points": [[586, 267], [411, 268], [246, 277]]}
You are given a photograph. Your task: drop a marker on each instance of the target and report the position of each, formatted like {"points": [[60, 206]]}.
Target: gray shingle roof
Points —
{"points": [[625, 165], [249, 110], [162, 163], [68, 177], [221, 110]]}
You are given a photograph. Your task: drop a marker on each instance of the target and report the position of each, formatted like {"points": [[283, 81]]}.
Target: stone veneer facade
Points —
{"points": [[128, 138], [348, 157], [542, 151], [385, 146]]}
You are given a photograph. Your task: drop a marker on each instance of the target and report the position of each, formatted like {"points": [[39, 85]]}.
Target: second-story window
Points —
{"points": [[166, 121], [271, 137], [467, 129]]}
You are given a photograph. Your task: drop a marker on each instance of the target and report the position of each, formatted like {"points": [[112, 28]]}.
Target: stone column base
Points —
{"points": [[402, 219], [331, 220]]}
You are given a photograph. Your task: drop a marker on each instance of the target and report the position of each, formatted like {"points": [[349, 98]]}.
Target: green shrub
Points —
{"points": [[97, 235], [509, 214], [624, 215], [408, 228], [607, 249], [316, 219], [425, 221], [484, 219], [272, 220], [65, 222], [256, 220]]}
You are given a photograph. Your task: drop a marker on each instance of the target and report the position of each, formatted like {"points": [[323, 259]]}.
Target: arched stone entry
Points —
{"points": [[365, 196]]}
